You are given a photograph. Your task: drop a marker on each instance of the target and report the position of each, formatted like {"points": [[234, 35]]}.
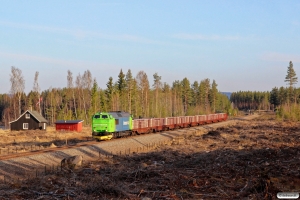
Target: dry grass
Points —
{"points": [[39, 137]]}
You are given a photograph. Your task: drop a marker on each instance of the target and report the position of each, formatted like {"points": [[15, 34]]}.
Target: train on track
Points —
{"points": [[108, 125]]}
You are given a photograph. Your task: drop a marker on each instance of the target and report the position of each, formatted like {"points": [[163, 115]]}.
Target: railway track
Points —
{"points": [[48, 150]]}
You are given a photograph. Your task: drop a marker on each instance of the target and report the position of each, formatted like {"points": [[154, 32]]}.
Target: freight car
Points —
{"points": [[110, 125]]}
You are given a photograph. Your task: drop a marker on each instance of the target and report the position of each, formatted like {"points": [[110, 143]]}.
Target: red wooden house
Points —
{"points": [[69, 125]]}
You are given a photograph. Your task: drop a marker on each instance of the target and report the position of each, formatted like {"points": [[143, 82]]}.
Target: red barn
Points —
{"points": [[69, 125]]}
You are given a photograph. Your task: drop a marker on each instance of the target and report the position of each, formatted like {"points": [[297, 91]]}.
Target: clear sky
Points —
{"points": [[242, 44]]}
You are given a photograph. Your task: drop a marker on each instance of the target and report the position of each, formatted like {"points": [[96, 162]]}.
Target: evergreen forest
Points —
{"points": [[285, 101]]}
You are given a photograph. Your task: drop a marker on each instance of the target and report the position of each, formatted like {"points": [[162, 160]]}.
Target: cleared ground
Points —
{"points": [[253, 159]]}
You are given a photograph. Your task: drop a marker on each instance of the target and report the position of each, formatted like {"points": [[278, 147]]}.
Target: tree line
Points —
{"points": [[251, 100], [82, 97], [284, 100]]}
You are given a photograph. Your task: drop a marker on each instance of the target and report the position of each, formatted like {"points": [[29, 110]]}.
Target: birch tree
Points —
{"points": [[143, 85], [17, 87], [86, 92], [70, 86], [36, 89]]}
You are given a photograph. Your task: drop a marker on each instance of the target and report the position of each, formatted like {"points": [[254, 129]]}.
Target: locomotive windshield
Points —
{"points": [[104, 117], [96, 116]]}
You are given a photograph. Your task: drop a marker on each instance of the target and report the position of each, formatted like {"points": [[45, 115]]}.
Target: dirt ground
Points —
{"points": [[250, 160]]}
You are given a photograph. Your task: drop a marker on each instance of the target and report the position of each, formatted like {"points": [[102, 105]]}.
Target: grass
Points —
{"points": [[39, 137]]}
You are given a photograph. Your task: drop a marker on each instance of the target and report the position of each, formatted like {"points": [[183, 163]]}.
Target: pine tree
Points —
{"points": [[195, 93], [95, 98], [177, 91], [109, 93], [291, 78], [186, 94], [103, 101], [116, 97], [157, 87], [204, 88], [274, 97], [213, 96], [129, 88], [121, 89]]}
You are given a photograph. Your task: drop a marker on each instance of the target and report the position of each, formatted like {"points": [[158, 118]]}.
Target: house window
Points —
{"points": [[27, 116], [25, 125]]}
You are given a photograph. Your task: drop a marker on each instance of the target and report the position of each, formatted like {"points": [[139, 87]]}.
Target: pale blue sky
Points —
{"points": [[243, 45]]}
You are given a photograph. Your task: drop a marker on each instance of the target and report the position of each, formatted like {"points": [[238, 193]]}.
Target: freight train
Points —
{"points": [[108, 125]]}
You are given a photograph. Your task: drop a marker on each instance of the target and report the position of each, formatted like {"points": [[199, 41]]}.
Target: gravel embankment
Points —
{"points": [[31, 165]]}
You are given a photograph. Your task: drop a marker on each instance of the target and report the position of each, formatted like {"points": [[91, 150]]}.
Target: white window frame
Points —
{"points": [[25, 125], [27, 116]]}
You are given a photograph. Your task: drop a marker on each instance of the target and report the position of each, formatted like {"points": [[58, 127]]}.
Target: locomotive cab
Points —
{"points": [[102, 126]]}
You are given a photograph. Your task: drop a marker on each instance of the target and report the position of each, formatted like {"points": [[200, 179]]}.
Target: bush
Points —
{"points": [[291, 112]]}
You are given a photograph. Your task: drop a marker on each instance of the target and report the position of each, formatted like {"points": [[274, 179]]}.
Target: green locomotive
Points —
{"points": [[108, 125]]}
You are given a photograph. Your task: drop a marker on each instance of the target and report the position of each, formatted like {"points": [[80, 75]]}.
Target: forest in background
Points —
{"points": [[285, 101], [83, 97]]}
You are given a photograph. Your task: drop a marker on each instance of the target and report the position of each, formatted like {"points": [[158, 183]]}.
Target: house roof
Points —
{"points": [[35, 114], [68, 121]]}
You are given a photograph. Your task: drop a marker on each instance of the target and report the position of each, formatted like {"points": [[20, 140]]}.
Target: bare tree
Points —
{"points": [[86, 88], [143, 85], [17, 86], [78, 83], [84, 84], [36, 89], [71, 87]]}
